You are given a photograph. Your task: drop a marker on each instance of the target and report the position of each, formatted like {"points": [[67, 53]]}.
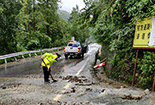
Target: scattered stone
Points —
{"points": [[66, 92], [73, 89], [3, 87], [59, 102], [83, 77], [103, 90], [75, 79], [41, 104], [60, 76], [110, 82], [11, 85], [130, 97], [65, 103], [147, 91], [84, 84], [123, 86], [88, 89]]}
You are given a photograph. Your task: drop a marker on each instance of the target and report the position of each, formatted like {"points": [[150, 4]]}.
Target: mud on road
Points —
{"points": [[88, 88], [33, 91]]}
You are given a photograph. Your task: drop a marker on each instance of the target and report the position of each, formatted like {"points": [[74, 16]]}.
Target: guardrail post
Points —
{"points": [[6, 66], [41, 52], [29, 55], [5, 61], [23, 57], [35, 54], [15, 58]]}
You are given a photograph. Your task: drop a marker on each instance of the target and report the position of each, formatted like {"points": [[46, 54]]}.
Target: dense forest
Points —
{"points": [[36, 24], [29, 25]]}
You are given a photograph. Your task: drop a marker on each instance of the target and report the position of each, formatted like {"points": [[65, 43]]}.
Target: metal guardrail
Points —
{"points": [[26, 52]]}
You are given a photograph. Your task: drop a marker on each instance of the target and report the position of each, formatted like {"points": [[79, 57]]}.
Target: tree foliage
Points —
{"points": [[35, 24], [113, 24], [75, 30], [8, 25]]}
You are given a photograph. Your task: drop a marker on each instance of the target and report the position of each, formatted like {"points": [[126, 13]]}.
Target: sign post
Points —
{"points": [[133, 78], [153, 84], [144, 38]]}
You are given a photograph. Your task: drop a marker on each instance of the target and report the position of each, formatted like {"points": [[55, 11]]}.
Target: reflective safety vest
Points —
{"points": [[48, 59]]}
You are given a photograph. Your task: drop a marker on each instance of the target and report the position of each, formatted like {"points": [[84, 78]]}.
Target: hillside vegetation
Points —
{"points": [[36, 24], [29, 25], [113, 23]]}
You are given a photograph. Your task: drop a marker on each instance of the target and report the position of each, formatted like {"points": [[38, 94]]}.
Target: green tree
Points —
{"points": [[9, 25], [114, 25], [80, 33], [47, 28], [49, 24]]}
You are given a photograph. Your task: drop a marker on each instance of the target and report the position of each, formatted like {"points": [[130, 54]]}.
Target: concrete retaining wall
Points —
{"points": [[105, 53]]}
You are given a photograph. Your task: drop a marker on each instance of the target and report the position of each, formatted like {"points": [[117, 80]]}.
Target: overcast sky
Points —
{"points": [[67, 5]]}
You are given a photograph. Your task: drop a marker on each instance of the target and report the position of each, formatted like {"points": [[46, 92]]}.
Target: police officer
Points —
{"points": [[47, 60]]}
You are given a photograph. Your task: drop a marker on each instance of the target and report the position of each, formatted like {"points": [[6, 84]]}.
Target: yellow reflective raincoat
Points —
{"points": [[48, 59]]}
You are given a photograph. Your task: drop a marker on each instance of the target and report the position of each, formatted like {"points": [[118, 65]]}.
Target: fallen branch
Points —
{"points": [[103, 60]]}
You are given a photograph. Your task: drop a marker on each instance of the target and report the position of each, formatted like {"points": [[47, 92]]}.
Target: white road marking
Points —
{"points": [[67, 86]]}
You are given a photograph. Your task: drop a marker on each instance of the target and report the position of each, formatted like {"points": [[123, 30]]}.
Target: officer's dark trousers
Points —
{"points": [[46, 73]]}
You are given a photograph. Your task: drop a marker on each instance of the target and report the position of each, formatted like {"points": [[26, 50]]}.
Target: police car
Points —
{"points": [[75, 48]]}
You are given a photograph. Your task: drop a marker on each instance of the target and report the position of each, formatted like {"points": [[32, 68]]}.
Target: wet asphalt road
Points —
{"points": [[31, 66], [76, 85]]}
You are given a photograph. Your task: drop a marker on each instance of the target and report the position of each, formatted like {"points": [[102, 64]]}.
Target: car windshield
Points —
{"points": [[73, 44], [70, 44]]}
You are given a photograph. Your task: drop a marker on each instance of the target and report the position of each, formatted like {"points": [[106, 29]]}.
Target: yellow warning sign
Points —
{"points": [[142, 33]]}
